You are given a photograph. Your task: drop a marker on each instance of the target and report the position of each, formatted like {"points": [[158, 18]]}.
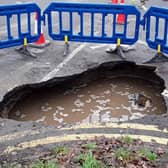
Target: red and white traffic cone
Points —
{"points": [[41, 42], [121, 17]]}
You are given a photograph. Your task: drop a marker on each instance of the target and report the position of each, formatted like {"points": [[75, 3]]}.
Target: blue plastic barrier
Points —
{"points": [[155, 24], [18, 10], [85, 23], [70, 9]]}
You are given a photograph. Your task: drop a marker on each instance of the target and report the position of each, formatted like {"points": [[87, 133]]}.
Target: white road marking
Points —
{"points": [[98, 46], [70, 56], [62, 64]]}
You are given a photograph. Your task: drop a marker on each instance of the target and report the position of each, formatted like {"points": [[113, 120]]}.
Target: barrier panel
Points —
{"points": [[78, 22], [18, 29], [155, 24], [92, 22]]}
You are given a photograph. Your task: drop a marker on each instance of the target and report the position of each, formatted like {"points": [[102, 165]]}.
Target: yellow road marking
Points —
{"points": [[17, 135], [58, 139], [120, 126], [90, 126]]}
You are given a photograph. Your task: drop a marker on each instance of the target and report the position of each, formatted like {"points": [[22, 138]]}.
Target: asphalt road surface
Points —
{"points": [[44, 4], [17, 70]]}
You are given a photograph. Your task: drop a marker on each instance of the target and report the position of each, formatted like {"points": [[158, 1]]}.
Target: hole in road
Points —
{"points": [[102, 100]]}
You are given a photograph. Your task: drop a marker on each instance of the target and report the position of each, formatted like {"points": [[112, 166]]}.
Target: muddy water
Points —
{"points": [[100, 101]]}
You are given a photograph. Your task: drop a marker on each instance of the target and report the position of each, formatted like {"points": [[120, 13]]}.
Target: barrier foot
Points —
{"points": [[119, 51], [158, 58], [66, 49], [24, 51]]}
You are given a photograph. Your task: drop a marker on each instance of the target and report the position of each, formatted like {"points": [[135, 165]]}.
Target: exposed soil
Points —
{"points": [[124, 152]]}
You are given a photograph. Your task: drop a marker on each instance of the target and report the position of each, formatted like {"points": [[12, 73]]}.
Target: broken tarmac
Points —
{"points": [[17, 70]]}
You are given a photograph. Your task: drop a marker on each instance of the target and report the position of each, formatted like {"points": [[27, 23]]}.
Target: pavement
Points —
{"points": [[17, 70]]}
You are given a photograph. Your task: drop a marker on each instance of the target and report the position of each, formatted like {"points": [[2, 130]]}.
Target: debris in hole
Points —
{"points": [[42, 119], [140, 100]]}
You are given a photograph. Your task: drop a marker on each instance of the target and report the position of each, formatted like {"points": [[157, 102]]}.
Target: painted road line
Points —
{"points": [[17, 135], [73, 137], [98, 46], [62, 64], [129, 126], [135, 126]]}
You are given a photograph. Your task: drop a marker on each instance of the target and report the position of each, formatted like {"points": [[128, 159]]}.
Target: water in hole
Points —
{"points": [[101, 101]]}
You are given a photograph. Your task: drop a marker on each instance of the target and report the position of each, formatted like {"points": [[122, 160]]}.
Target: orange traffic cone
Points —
{"points": [[121, 17], [41, 42]]}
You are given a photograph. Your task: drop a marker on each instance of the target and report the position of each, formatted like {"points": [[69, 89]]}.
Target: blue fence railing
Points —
{"points": [[18, 12], [80, 22], [155, 23], [91, 10]]}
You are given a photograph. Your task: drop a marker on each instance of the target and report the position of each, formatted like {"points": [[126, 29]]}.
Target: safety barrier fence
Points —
{"points": [[88, 23], [87, 14], [20, 13], [155, 23]]}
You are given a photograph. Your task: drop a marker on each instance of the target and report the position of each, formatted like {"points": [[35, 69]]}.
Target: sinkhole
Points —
{"points": [[111, 92]]}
